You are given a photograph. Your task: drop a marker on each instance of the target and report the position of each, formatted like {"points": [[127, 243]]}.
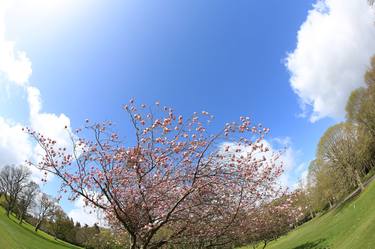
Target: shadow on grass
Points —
{"points": [[317, 244]]}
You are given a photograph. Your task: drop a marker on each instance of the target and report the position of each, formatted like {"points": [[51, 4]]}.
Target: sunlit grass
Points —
{"points": [[15, 236], [351, 226]]}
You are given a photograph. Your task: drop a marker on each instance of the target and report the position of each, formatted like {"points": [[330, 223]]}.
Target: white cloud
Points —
{"points": [[50, 124], [290, 158], [15, 146], [334, 47], [15, 68], [14, 64], [301, 172], [34, 100], [304, 175], [85, 215]]}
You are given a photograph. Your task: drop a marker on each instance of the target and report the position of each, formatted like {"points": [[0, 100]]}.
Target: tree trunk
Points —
{"points": [[359, 182], [9, 209], [133, 242], [21, 217], [38, 225], [311, 214], [330, 204], [265, 244]]}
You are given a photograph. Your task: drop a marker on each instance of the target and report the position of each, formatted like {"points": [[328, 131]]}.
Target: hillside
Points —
{"points": [[351, 226], [15, 236]]}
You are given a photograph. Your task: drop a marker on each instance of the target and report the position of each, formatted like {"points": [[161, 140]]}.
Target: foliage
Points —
{"points": [[351, 226], [346, 151], [341, 148], [176, 176], [361, 104], [106, 239], [325, 185], [27, 199], [274, 219], [44, 209], [61, 225], [13, 180]]}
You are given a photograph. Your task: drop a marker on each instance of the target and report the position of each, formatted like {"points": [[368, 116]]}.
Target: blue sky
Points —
{"points": [[227, 57]]}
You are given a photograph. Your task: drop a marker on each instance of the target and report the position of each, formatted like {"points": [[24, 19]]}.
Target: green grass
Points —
{"points": [[15, 236], [351, 226]]}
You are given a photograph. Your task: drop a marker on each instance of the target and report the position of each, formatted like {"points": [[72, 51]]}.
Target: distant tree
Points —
{"points": [[106, 239], [354, 106], [326, 184], [86, 236], [44, 209], [78, 225], [177, 176], [13, 179], [341, 148], [27, 197], [82, 235], [361, 112], [346, 151], [61, 226], [303, 199], [272, 220], [361, 105], [56, 220]]}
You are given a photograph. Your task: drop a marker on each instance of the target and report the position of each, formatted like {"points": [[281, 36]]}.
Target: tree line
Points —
{"points": [[345, 153], [22, 197]]}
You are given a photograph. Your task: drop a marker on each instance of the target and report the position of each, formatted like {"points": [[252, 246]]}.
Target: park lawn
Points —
{"points": [[15, 236], [351, 226]]}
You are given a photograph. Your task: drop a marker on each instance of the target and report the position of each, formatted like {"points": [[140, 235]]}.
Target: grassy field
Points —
{"points": [[351, 226], [15, 236]]}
